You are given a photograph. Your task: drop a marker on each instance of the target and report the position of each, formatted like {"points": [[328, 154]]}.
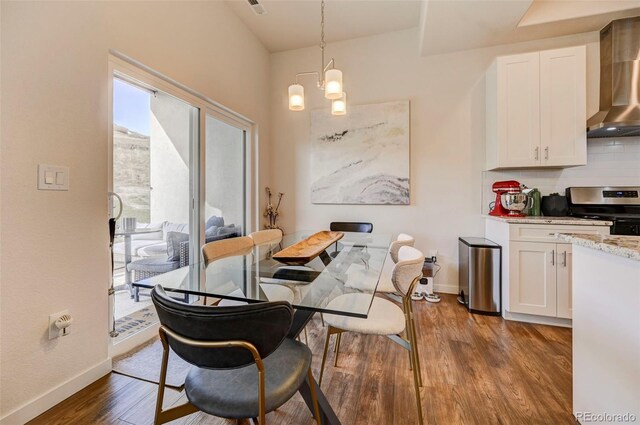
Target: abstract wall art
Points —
{"points": [[362, 157]]}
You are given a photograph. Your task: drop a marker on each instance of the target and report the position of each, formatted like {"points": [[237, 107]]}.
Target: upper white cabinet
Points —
{"points": [[536, 110]]}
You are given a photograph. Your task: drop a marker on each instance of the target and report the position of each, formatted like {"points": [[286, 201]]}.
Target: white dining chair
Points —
{"points": [[385, 317], [266, 237], [385, 285], [270, 239], [223, 248]]}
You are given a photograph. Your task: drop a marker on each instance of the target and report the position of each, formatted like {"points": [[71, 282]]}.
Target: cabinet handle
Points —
{"points": [[546, 152], [553, 257], [564, 259], [537, 153]]}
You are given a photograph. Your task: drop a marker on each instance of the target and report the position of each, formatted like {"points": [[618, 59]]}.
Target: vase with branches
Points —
{"points": [[271, 212]]}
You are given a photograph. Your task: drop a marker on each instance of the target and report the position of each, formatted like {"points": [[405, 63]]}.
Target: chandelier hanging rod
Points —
{"points": [[320, 83], [329, 79]]}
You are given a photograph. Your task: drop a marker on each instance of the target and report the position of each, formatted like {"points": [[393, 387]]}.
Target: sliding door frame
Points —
{"points": [[122, 66]]}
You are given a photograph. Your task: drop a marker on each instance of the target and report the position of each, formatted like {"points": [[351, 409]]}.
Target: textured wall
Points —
{"points": [[447, 94], [54, 101]]}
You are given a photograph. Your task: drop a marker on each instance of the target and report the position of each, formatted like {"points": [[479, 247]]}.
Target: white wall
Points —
{"points": [[447, 94], [54, 102], [169, 150]]}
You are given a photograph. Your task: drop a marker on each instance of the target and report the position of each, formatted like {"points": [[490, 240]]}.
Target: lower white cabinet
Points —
{"points": [[540, 279], [532, 274], [564, 265], [536, 269]]}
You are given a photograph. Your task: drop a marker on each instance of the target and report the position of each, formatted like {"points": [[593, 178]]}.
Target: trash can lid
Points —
{"points": [[478, 242]]}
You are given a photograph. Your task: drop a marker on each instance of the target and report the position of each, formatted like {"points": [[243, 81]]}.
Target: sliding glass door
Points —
{"points": [[152, 169], [225, 179], [180, 168]]}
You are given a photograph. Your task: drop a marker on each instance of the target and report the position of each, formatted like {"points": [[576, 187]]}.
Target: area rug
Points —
{"points": [[144, 363], [136, 321]]}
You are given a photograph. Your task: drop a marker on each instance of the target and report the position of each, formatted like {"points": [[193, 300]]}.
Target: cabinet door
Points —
{"points": [[518, 110], [563, 276], [532, 278], [563, 108]]}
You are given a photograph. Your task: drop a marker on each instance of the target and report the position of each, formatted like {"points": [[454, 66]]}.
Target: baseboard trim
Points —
{"points": [[446, 289], [46, 401], [539, 320]]}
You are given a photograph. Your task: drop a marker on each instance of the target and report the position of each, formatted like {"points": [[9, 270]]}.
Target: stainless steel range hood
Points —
{"points": [[619, 113]]}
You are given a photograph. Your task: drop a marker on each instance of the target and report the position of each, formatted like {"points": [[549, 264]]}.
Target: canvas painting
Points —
{"points": [[362, 157]]}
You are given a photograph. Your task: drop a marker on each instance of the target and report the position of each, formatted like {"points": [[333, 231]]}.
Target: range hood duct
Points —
{"points": [[619, 113]]}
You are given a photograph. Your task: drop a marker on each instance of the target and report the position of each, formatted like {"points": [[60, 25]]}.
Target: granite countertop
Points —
{"points": [[623, 246], [570, 221]]}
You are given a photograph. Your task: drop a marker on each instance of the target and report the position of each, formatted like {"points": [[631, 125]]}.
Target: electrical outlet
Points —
{"points": [[54, 332]]}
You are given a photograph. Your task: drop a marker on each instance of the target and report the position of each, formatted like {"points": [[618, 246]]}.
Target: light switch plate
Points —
{"points": [[53, 177]]}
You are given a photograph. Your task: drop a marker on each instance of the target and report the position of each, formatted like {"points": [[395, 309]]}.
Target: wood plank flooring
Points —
{"points": [[476, 370]]}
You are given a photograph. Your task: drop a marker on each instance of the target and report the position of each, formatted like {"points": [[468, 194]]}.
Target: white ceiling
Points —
{"points": [[449, 26], [445, 25], [292, 24]]}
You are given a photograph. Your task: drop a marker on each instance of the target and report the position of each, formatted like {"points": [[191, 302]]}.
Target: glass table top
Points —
{"points": [[354, 265]]}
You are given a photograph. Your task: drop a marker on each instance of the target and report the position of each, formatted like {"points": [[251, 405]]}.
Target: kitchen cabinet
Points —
{"points": [[540, 276], [564, 266], [536, 109], [536, 269], [533, 278]]}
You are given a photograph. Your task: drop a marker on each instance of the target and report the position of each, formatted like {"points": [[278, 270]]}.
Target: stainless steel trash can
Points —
{"points": [[480, 277]]}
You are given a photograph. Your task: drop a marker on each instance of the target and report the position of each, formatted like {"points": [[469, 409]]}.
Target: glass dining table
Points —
{"points": [[352, 265]]}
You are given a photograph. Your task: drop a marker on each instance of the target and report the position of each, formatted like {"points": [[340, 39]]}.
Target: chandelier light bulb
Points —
{"points": [[296, 97], [339, 106], [333, 84]]}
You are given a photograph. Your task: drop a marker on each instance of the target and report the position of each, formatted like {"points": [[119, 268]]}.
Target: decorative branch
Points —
{"points": [[270, 212]]}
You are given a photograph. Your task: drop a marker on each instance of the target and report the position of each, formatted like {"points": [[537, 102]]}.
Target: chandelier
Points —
{"points": [[329, 80]]}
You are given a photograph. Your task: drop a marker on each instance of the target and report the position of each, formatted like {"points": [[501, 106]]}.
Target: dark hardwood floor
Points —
{"points": [[476, 370]]}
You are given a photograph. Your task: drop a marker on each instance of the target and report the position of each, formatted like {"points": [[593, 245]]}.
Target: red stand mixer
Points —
{"points": [[510, 201]]}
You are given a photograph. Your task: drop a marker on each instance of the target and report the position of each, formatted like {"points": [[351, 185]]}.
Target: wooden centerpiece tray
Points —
{"points": [[307, 249]]}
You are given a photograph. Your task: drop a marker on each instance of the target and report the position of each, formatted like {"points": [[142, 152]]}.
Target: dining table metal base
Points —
{"points": [[327, 415]]}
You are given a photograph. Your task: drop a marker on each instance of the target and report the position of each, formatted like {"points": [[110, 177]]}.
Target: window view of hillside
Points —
{"points": [[131, 155]]}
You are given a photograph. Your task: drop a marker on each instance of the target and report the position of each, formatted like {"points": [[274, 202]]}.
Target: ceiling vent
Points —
{"points": [[257, 7]]}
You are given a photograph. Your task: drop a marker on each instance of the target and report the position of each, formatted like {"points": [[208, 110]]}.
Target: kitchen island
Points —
{"points": [[606, 327]]}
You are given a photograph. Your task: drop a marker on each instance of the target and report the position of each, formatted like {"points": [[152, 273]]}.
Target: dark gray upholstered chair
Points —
{"points": [[348, 226], [351, 226], [244, 366]]}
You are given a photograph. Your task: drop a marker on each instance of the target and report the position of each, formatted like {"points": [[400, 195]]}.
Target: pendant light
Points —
{"points": [[339, 105], [296, 97], [333, 84], [329, 80]]}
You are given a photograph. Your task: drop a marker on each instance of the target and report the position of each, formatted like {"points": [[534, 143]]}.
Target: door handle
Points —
{"points": [[553, 257], [546, 152], [564, 259], [537, 153]]}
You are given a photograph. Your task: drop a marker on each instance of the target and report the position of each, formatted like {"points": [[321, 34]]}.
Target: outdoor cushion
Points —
{"points": [[136, 244], [233, 393], [155, 250], [151, 226], [173, 227], [227, 230], [173, 244], [153, 265], [214, 221], [210, 232]]}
